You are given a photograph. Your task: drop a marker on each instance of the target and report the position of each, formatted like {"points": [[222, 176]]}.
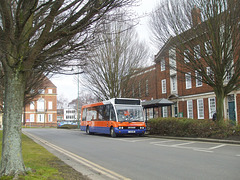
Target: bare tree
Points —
{"points": [[114, 61], [205, 34], [41, 37]]}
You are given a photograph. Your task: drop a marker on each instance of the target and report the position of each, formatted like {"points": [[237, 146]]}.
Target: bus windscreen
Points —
{"points": [[129, 113]]}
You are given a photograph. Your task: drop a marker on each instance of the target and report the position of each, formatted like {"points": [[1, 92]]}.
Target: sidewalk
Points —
{"points": [[226, 141]]}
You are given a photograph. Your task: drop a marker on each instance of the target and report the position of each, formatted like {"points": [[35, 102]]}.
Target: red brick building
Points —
{"points": [[42, 110], [190, 96]]}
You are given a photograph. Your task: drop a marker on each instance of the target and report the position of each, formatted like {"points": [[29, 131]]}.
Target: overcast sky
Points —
{"points": [[67, 86]]}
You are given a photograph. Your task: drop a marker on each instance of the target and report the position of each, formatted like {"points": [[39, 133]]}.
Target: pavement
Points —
{"points": [[226, 141]]}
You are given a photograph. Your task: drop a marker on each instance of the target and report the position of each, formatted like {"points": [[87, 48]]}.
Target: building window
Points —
{"points": [[50, 117], [41, 118], [208, 48], [173, 84], [188, 80], [32, 117], [40, 105], [164, 111], [198, 79], [164, 89], [163, 67], [210, 73], [212, 107], [190, 109], [172, 61], [32, 106], [197, 53], [50, 91], [200, 108], [147, 92], [50, 104], [41, 91], [186, 56]]}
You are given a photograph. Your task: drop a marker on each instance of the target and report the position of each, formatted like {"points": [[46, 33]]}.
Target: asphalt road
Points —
{"points": [[144, 158]]}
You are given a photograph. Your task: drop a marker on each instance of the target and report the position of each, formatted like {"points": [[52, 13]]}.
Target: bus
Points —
{"points": [[115, 117]]}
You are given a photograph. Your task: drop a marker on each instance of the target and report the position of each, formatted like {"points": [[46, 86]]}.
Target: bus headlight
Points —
{"points": [[120, 127], [141, 127]]}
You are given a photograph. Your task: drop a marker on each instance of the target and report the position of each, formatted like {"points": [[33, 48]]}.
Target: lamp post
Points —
{"points": [[78, 117]]}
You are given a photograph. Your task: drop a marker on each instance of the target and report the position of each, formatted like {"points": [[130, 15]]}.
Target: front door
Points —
{"points": [[231, 112]]}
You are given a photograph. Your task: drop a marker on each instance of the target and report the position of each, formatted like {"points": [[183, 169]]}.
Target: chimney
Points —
{"points": [[196, 16]]}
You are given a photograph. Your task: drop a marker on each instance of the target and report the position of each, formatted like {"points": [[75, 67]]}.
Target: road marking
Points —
{"points": [[183, 144], [202, 150], [160, 142], [94, 166], [215, 147], [238, 155]]}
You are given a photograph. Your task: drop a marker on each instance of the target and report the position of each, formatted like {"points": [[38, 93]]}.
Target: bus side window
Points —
{"points": [[112, 113], [84, 114]]}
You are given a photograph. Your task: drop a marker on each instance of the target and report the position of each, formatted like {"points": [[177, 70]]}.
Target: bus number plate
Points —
{"points": [[131, 131]]}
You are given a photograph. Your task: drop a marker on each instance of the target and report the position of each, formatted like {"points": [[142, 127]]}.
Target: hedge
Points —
{"points": [[184, 127]]}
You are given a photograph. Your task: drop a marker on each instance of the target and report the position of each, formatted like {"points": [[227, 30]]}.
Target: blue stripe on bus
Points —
{"points": [[106, 130]]}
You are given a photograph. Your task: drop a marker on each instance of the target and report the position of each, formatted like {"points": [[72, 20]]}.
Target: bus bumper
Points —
{"points": [[129, 131]]}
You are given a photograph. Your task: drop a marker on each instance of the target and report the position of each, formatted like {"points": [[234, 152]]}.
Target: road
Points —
{"points": [[144, 158]]}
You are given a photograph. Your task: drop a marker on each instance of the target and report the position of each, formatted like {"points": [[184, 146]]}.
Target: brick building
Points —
{"points": [[42, 110], [190, 97]]}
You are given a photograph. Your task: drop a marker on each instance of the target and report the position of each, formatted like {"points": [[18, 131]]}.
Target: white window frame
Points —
{"points": [[40, 118], [163, 65], [50, 105], [164, 86], [139, 89], [32, 105], [147, 89], [210, 73], [211, 106], [165, 111], [200, 108], [197, 52], [32, 117], [186, 55], [41, 105], [50, 91], [174, 84], [188, 80], [50, 118], [198, 79], [190, 109], [208, 48]]}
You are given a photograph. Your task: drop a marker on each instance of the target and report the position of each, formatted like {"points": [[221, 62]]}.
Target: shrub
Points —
{"points": [[185, 127], [68, 126]]}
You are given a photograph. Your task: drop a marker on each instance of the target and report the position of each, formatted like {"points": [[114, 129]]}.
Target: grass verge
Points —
{"points": [[44, 165]]}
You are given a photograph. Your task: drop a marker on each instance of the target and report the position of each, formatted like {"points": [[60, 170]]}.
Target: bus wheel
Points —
{"points": [[88, 131], [112, 132]]}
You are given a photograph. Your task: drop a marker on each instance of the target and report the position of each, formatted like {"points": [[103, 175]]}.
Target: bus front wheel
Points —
{"points": [[88, 131], [112, 132]]}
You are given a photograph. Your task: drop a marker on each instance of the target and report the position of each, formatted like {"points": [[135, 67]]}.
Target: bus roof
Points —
{"points": [[129, 101]]}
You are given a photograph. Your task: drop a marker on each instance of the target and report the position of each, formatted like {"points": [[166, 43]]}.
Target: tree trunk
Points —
{"points": [[12, 161], [220, 104]]}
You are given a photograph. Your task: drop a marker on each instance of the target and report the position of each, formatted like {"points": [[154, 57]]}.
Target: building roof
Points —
{"points": [[48, 83], [157, 103]]}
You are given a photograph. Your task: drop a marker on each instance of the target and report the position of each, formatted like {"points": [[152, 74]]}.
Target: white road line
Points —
{"points": [[215, 147], [238, 155], [160, 142], [82, 160], [183, 144], [202, 150]]}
